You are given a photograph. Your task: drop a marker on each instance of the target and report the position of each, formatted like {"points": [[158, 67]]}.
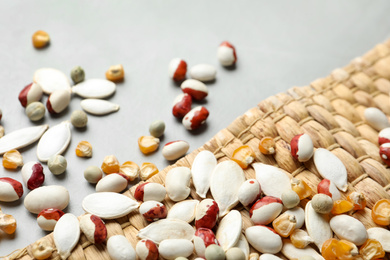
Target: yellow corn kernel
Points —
{"points": [[380, 213], [358, 200], [285, 224], [84, 149], [12, 160], [341, 206], [110, 164], [148, 144], [267, 145], [40, 39], [130, 169], [148, 170], [372, 249], [243, 156], [300, 238], [301, 188], [7, 223], [115, 73]]}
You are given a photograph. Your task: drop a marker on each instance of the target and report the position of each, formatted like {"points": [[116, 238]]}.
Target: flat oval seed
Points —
{"points": [[382, 235], [66, 234], [349, 228], [203, 72], [174, 150], [202, 168], [95, 88], [177, 183], [264, 239], [53, 196], [292, 252], [119, 248], [273, 181], [317, 226], [184, 210], [54, 141], [51, 79], [115, 182], [229, 230], [173, 248], [98, 106]]}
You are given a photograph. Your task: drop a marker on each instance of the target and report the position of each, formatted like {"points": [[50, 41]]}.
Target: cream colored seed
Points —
{"points": [[77, 74], [290, 199], [57, 164], [84, 149], [35, 111], [42, 249], [214, 252], [1, 131], [93, 174], [79, 119], [322, 203], [130, 169]]}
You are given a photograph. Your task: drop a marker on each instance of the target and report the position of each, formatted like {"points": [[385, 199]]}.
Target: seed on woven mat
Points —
{"points": [[203, 72], [226, 54], [201, 170], [265, 210], [264, 239], [206, 214], [93, 228], [376, 118], [384, 151], [53, 196], [195, 118], [150, 191], [177, 182], [173, 248], [317, 226], [291, 252], [58, 101], [54, 141], [327, 187], [229, 230], [181, 105], [322, 203], [358, 200], [226, 174], [273, 181], [167, 229], [215, 252], [299, 215], [330, 167], [66, 234], [153, 210], [269, 257], [285, 224], [48, 218], [30, 93], [195, 88], [235, 253], [384, 136], [349, 228], [32, 175], [109, 205], [242, 244], [119, 248], [98, 106], [380, 213], [202, 239], [42, 249], [147, 250], [10, 189], [184, 210], [336, 249], [51, 79], [175, 149], [21, 138], [115, 182], [382, 235], [177, 69], [300, 238], [249, 192], [302, 147], [290, 199], [94, 88]]}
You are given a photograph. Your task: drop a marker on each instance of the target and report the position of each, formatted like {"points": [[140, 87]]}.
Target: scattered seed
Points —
{"points": [[249, 192], [173, 248], [57, 164], [12, 160], [157, 128], [148, 144], [273, 181], [175, 149], [300, 239], [235, 253], [302, 147], [380, 213], [202, 239], [115, 73], [184, 210], [301, 188], [290, 199], [42, 249], [10, 189], [52, 196], [206, 214], [358, 200], [382, 235], [40, 39], [226, 54], [349, 228], [32, 174], [58, 101], [84, 149], [201, 170], [215, 252], [54, 141], [147, 250], [195, 118], [130, 169], [94, 88], [98, 106], [77, 74], [110, 164], [148, 170], [115, 182], [153, 210], [119, 248], [93, 174], [243, 156], [177, 182], [384, 136], [150, 191], [264, 239], [203, 72], [51, 79], [35, 111], [322, 203], [30, 93], [229, 230], [48, 218], [181, 105], [93, 228], [291, 252], [341, 206], [195, 88], [7, 223], [177, 69], [66, 234], [384, 152], [265, 210], [327, 187], [79, 119]]}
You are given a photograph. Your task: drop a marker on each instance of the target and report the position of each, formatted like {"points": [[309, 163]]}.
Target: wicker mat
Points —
{"points": [[330, 110]]}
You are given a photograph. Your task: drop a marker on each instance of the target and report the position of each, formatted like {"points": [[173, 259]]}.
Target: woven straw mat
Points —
{"points": [[330, 110]]}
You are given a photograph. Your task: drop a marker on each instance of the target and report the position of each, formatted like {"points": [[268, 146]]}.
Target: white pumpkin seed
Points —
{"points": [[95, 88], [51, 79], [167, 229], [349, 228], [202, 168], [119, 248], [226, 174], [382, 235], [376, 118], [21, 138], [273, 181], [177, 183], [108, 205], [66, 234], [53, 196], [330, 167], [184, 210], [264, 239], [54, 141], [173, 248], [299, 215], [98, 106], [317, 226], [269, 257], [229, 230], [291, 252], [242, 244]]}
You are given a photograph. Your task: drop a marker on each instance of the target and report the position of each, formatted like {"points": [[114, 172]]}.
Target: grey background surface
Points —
{"points": [[280, 44]]}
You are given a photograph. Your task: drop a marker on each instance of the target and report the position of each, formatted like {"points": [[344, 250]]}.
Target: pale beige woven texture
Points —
{"points": [[330, 110]]}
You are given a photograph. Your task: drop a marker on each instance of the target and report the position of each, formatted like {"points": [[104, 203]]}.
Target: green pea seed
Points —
{"points": [[79, 119], [290, 199], [77, 74], [214, 252], [35, 111], [93, 174], [157, 128], [57, 164], [322, 203], [235, 253]]}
